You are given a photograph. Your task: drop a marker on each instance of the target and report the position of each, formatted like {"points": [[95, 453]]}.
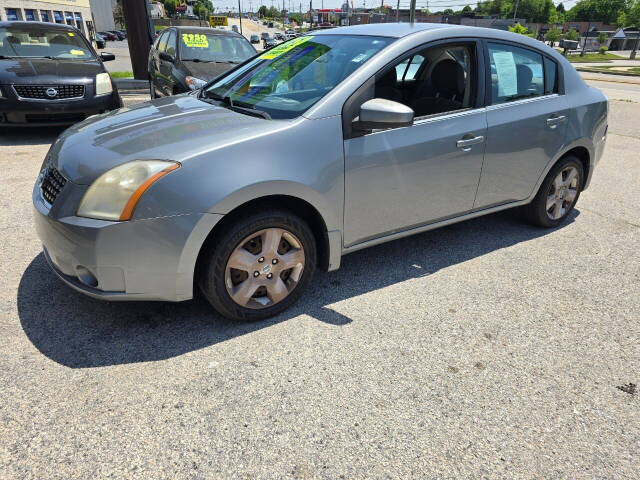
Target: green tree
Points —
{"points": [[606, 11], [602, 38], [560, 8], [552, 36], [632, 16], [517, 28], [571, 35], [170, 7], [467, 9], [262, 11]]}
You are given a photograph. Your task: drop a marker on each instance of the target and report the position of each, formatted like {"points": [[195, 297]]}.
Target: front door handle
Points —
{"points": [[554, 120], [465, 143]]}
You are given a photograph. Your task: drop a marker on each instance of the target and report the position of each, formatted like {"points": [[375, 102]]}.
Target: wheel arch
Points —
{"points": [[293, 204]]}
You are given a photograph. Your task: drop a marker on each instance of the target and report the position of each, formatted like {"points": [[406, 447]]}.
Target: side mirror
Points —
{"points": [[382, 113], [107, 57], [166, 57]]}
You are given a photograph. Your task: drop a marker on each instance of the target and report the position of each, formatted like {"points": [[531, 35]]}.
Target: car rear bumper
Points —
{"points": [[151, 259], [17, 112]]}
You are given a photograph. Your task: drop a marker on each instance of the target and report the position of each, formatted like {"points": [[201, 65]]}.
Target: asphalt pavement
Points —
{"points": [[486, 349]]}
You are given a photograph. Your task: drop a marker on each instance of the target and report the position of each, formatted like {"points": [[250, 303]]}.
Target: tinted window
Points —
{"points": [[550, 76], [286, 80], [516, 73]]}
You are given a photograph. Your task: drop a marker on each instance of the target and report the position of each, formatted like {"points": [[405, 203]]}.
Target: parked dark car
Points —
{"points": [[269, 43], [186, 58], [100, 41], [51, 75], [278, 36], [108, 36], [119, 35], [255, 39]]}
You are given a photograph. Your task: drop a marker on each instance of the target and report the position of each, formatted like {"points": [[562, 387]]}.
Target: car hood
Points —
{"points": [[172, 128], [42, 70], [207, 71]]}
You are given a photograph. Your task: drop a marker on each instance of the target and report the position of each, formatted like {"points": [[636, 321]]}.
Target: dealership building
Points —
{"points": [[78, 13]]}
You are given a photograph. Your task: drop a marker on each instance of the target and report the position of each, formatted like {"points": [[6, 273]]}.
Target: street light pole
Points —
{"points": [[412, 12], [240, 16]]}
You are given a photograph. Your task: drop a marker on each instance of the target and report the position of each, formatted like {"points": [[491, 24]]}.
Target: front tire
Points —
{"points": [[557, 195], [258, 266]]}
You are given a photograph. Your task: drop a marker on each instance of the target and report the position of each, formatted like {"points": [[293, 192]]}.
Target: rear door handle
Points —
{"points": [[466, 143], [554, 120]]}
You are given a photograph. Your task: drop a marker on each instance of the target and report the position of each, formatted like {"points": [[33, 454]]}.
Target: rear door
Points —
{"points": [[526, 120]]}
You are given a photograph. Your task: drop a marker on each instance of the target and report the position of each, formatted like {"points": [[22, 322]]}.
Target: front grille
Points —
{"points": [[39, 92], [51, 185]]}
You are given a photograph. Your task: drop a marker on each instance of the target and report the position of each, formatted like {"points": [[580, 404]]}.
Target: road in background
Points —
{"points": [[488, 348]]}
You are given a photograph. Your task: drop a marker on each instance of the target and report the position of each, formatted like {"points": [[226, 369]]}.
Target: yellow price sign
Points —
{"points": [[284, 48], [195, 40], [71, 34], [76, 52]]}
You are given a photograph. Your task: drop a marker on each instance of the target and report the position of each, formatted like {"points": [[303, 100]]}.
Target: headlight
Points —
{"points": [[103, 84], [115, 194], [194, 83]]}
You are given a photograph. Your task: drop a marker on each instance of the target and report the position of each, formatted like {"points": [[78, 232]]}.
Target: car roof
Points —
{"points": [[18, 23], [212, 31], [384, 29]]}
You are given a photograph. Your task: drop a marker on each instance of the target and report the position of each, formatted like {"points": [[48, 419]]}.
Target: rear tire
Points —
{"points": [[258, 266], [557, 195]]}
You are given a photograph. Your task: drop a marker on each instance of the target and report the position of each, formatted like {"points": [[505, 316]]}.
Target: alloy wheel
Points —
{"points": [[264, 268], [562, 193]]}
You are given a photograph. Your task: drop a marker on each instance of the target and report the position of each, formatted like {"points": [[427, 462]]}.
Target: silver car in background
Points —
{"points": [[321, 146]]}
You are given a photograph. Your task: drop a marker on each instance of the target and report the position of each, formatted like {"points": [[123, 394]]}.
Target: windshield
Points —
{"points": [[207, 47], [27, 41], [288, 79]]}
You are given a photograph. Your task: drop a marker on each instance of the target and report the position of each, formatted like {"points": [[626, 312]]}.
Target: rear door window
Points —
{"points": [[516, 73]]}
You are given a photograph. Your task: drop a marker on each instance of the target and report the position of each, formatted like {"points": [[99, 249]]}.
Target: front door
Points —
{"points": [[400, 178], [527, 121]]}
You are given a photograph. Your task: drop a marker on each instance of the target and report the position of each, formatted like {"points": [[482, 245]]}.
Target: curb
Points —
{"points": [[131, 84]]}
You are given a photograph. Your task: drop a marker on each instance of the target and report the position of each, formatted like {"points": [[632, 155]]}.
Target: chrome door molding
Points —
{"points": [[523, 101]]}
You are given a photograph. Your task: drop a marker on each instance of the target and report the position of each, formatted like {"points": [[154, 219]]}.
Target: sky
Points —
{"points": [[434, 5]]}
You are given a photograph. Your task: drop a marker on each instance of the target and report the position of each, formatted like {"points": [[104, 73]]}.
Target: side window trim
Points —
{"points": [[480, 80]]}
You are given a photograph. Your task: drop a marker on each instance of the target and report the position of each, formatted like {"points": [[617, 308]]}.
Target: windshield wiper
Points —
{"points": [[237, 106]]}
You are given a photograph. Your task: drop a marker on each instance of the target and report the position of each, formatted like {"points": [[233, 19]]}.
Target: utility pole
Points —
{"points": [[398, 13], [240, 16], [515, 11], [584, 43], [136, 20], [412, 12]]}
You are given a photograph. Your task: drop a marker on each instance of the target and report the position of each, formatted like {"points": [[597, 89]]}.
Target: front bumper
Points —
{"points": [[151, 259], [18, 112]]}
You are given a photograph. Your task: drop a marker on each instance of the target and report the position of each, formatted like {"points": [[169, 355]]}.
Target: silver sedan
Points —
{"points": [[324, 145]]}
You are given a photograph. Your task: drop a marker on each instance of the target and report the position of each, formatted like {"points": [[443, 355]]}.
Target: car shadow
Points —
{"points": [[16, 136], [80, 332]]}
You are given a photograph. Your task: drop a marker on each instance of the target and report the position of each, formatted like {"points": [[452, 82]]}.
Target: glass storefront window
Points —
{"points": [[58, 17], [44, 15], [12, 13], [30, 15]]}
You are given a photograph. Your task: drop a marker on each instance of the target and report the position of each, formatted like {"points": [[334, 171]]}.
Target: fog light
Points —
{"points": [[86, 277]]}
